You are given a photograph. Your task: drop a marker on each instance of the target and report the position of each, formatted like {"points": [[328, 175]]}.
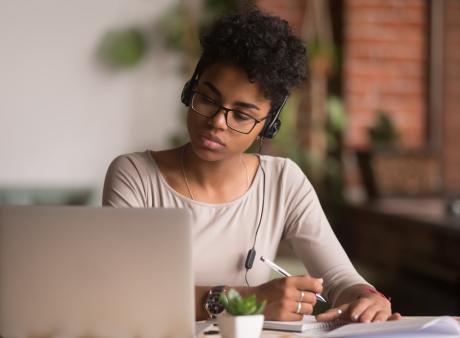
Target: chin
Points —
{"points": [[206, 154]]}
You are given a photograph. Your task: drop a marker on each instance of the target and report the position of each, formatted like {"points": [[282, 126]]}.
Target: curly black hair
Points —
{"points": [[264, 45]]}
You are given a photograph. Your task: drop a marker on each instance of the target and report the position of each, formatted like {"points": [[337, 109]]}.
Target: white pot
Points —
{"points": [[240, 326]]}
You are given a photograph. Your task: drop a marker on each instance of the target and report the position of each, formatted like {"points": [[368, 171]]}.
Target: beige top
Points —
{"points": [[223, 233]]}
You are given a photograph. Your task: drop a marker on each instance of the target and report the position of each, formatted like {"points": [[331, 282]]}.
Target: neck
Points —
{"points": [[229, 176]]}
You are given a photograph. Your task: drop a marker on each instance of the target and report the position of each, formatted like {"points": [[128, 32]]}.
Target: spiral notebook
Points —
{"points": [[308, 324]]}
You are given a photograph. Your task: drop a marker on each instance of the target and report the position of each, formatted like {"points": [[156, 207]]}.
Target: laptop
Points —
{"points": [[95, 272]]}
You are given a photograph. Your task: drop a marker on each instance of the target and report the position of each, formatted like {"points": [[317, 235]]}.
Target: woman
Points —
{"points": [[250, 63]]}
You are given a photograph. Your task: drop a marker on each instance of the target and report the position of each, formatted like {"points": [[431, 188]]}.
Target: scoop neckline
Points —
{"points": [[215, 205]]}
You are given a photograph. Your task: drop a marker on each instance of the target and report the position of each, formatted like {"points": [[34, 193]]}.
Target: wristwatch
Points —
{"points": [[212, 304]]}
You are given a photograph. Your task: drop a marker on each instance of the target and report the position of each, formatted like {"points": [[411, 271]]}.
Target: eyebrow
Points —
{"points": [[237, 103]]}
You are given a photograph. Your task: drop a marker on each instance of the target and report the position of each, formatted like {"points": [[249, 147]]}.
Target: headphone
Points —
{"points": [[272, 123], [270, 129]]}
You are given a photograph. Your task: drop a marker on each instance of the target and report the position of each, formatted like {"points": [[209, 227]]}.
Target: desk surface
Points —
{"points": [[279, 334]]}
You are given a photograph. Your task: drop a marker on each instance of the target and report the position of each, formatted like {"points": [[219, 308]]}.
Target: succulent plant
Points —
{"points": [[236, 305]]}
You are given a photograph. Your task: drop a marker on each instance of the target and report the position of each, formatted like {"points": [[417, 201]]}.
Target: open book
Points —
{"points": [[407, 327]]}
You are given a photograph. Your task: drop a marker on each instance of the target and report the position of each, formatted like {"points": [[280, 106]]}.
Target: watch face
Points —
{"points": [[215, 308], [213, 305]]}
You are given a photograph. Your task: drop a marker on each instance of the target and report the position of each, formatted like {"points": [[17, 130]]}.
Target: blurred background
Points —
{"points": [[376, 127]]}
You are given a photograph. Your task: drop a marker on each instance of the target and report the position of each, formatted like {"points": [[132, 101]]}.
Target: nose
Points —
{"points": [[219, 119]]}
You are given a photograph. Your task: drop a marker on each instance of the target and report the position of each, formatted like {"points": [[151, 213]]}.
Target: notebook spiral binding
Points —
{"points": [[327, 326]]}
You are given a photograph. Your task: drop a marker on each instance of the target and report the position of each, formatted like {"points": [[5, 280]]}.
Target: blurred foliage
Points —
{"points": [[126, 47], [383, 135], [325, 173], [173, 23], [323, 56], [122, 48]]}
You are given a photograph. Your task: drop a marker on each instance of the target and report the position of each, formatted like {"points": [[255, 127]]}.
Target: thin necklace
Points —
{"points": [[183, 173], [185, 176]]}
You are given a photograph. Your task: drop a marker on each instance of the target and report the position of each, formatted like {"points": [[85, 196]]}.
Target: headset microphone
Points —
{"points": [[250, 258]]}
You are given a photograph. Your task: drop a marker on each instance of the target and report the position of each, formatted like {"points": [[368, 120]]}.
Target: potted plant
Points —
{"points": [[242, 317]]}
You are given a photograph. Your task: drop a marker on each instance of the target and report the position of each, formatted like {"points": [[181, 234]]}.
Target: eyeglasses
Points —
{"points": [[235, 119]]}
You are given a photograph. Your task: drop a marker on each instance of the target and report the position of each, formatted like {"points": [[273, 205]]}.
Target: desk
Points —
{"points": [[278, 334]]}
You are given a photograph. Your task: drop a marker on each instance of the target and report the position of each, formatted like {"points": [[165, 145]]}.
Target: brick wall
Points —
{"points": [[386, 67], [451, 120]]}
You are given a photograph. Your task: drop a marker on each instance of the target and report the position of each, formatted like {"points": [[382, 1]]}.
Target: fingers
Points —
{"points": [[359, 308], [289, 298], [288, 310], [307, 283], [368, 310], [371, 312], [308, 297], [333, 313], [303, 308], [395, 316]]}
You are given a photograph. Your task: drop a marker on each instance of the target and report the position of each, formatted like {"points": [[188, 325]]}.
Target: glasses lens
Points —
{"points": [[236, 120], [240, 122], [203, 105]]}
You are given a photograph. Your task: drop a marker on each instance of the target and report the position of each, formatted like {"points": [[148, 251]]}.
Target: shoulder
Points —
{"points": [[146, 166], [281, 165], [133, 162], [285, 173]]}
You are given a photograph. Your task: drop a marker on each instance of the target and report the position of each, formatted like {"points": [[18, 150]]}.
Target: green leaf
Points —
{"points": [[233, 295], [260, 308], [236, 305], [337, 116]]}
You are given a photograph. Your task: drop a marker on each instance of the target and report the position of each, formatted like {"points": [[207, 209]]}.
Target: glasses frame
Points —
{"points": [[226, 111]]}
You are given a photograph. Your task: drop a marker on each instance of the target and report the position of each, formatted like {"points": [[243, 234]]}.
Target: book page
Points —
{"points": [[421, 327]]}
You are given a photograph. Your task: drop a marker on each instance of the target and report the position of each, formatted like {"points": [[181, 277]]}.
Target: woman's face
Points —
{"points": [[228, 86]]}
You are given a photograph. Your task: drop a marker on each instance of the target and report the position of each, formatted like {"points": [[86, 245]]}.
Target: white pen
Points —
{"points": [[283, 272]]}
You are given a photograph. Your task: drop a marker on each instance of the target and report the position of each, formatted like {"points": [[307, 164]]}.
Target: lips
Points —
{"points": [[212, 138]]}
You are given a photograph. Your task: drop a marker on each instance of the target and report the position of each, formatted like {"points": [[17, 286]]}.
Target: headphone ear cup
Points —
{"points": [[273, 123], [186, 94], [267, 125], [273, 129]]}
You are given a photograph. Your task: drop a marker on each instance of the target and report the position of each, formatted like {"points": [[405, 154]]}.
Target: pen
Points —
{"points": [[283, 272]]}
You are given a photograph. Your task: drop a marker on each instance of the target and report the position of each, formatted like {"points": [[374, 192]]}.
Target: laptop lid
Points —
{"points": [[95, 272]]}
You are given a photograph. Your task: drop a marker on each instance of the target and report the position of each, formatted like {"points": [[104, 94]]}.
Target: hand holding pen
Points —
{"points": [[288, 298], [283, 272]]}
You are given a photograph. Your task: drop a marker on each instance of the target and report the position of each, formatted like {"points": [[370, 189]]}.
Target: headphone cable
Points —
{"points": [[262, 211]]}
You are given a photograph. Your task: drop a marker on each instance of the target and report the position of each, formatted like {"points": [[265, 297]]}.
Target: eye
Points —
{"points": [[208, 100], [203, 100], [241, 116]]}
